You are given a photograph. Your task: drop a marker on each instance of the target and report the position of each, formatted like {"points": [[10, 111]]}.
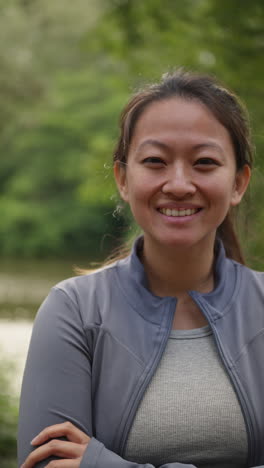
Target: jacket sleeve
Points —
{"points": [[57, 383], [98, 456]]}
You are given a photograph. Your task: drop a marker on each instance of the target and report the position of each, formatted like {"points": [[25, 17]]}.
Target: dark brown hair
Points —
{"points": [[224, 105]]}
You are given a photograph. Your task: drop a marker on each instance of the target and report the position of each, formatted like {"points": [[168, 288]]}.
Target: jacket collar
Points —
{"points": [[227, 275], [133, 279]]}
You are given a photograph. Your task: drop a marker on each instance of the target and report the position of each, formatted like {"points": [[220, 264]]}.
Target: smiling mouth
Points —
{"points": [[179, 213]]}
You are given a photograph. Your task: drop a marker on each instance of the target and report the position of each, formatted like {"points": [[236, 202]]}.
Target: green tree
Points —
{"points": [[80, 63], [224, 39]]}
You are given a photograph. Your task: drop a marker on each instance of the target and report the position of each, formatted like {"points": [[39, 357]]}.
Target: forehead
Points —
{"points": [[179, 119]]}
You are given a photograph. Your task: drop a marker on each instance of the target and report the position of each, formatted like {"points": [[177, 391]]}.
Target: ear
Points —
{"points": [[240, 186], [121, 179]]}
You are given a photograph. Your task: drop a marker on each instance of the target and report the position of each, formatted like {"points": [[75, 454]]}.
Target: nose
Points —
{"points": [[179, 182]]}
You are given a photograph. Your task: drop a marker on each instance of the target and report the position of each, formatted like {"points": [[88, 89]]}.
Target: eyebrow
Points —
{"points": [[209, 145], [153, 142], [160, 144]]}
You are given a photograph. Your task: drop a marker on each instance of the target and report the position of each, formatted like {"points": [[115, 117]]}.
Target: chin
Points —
{"points": [[185, 242]]}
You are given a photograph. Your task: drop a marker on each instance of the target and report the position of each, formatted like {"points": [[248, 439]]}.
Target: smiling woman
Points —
{"points": [[156, 359], [180, 179], [180, 158]]}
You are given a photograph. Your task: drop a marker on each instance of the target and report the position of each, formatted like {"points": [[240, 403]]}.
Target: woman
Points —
{"points": [[156, 359]]}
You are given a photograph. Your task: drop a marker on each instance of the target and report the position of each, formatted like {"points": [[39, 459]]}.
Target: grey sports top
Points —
{"points": [[190, 412]]}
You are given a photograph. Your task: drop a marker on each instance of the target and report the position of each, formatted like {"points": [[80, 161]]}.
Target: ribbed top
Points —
{"points": [[190, 412]]}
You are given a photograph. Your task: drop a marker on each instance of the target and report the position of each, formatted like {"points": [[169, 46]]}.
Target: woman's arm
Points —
{"points": [[68, 449], [57, 388], [71, 452], [57, 380]]}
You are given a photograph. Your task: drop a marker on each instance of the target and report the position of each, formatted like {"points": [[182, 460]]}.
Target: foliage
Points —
{"points": [[67, 70], [58, 196], [8, 419]]}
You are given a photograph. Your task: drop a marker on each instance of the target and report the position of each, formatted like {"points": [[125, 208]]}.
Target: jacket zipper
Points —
{"points": [[246, 413], [143, 387]]}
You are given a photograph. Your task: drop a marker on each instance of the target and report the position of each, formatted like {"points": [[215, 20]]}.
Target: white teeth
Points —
{"points": [[169, 212]]}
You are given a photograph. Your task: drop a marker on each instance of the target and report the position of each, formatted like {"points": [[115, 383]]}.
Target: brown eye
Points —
{"points": [[153, 160], [206, 162]]}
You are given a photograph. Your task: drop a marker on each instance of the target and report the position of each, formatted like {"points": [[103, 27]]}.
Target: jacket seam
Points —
{"points": [[78, 310], [65, 293], [107, 331], [251, 420], [147, 375], [228, 308], [247, 345]]}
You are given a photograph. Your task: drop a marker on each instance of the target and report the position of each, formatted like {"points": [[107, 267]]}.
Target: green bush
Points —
{"points": [[8, 418]]}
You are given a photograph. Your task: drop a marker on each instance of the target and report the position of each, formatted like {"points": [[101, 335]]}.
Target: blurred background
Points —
{"points": [[66, 70]]}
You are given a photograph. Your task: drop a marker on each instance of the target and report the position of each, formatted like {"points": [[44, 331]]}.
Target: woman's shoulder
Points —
{"points": [[252, 277], [251, 271], [79, 298], [93, 289], [92, 279]]}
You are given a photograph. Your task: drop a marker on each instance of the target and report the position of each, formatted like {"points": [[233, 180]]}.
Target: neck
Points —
{"points": [[173, 271]]}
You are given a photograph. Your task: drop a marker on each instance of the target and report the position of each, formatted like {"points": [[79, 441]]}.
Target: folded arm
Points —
{"points": [[57, 388]]}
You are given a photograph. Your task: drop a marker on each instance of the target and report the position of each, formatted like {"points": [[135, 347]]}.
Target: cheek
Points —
{"points": [[141, 186], [137, 193], [221, 188]]}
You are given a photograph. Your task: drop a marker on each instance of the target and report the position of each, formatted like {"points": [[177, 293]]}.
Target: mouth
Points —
{"points": [[179, 213]]}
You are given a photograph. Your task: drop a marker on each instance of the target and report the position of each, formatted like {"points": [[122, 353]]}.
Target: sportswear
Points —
{"points": [[97, 342], [189, 411]]}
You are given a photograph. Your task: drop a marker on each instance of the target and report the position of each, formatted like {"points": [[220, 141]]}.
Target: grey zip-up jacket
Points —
{"points": [[98, 339]]}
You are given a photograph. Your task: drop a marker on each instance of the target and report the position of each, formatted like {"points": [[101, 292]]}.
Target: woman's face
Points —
{"points": [[180, 178]]}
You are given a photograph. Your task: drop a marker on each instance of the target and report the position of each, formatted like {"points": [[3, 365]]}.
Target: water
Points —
{"points": [[14, 339], [23, 286]]}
